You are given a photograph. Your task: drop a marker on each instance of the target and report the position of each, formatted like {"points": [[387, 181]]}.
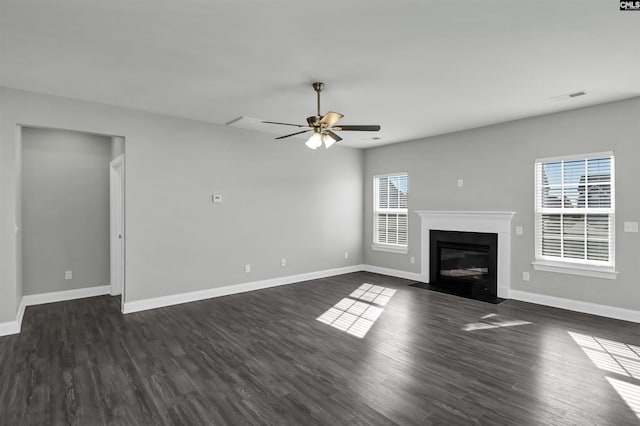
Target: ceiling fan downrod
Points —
{"points": [[318, 86]]}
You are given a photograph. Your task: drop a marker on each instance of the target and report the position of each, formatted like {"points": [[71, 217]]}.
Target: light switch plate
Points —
{"points": [[216, 198], [518, 230], [460, 183], [631, 227]]}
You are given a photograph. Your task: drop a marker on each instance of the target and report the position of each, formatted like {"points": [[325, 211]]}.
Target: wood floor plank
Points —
{"points": [[265, 358]]}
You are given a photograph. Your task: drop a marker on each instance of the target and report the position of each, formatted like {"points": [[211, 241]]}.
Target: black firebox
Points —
{"points": [[464, 264]]}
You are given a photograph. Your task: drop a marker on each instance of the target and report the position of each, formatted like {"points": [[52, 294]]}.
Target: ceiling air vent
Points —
{"points": [[569, 96], [256, 125]]}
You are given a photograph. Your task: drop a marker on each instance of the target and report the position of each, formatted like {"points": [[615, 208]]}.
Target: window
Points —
{"points": [[390, 213], [575, 210]]}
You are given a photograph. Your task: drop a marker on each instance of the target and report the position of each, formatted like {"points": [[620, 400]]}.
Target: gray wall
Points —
{"points": [[283, 200], [497, 165], [65, 209], [280, 199]]}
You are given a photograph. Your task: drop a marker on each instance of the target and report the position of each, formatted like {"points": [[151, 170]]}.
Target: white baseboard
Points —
{"points": [[8, 328], [394, 273], [540, 299], [13, 327], [61, 296], [176, 299], [577, 306]]}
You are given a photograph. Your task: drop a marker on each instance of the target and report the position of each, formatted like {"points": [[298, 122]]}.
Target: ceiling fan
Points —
{"points": [[324, 126]]}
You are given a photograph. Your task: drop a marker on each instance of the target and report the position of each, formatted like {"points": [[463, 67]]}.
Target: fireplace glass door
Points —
{"points": [[464, 263]]}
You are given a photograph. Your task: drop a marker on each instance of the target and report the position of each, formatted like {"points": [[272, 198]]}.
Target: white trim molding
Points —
{"points": [[575, 269], [391, 248], [14, 327], [577, 305], [194, 296], [471, 221], [415, 276], [61, 296]]}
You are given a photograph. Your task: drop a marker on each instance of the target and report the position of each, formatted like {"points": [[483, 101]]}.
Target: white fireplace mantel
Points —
{"points": [[469, 221]]}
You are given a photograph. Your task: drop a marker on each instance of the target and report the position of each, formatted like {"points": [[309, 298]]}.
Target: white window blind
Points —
{"points": [[575, 209], [390, 209]]}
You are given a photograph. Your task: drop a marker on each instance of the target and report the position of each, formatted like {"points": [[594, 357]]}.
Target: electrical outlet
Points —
{"points": [[525, 276], [68, 275], [216, 198], [631, 227], [412, 260], [346, 254], [247, 268], [519, 230], [460, 183], [283, 262]]}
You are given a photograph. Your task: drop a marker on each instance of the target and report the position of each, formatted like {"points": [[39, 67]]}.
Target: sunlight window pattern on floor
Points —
{"points": [[610, 355], [357, 313], [629, 392], [618, 358], [493, 321]]}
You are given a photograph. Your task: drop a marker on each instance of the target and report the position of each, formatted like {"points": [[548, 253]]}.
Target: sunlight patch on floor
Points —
{"points": [[358, 312], [610, 355], [493, 321], [615, 357], [629, 392]]}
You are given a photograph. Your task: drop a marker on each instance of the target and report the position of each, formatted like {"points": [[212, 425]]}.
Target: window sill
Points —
{"points": [[390, 248], [575, 269]]}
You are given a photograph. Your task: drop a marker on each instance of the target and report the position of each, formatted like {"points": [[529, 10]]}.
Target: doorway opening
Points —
{"points": [[71, 192]]}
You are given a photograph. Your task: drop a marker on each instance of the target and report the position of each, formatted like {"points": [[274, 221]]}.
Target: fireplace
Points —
{"points": [[464, 263], [493, 222]]}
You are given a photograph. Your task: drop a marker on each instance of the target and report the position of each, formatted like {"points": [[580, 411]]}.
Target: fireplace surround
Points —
{"points": [[470, 221]]}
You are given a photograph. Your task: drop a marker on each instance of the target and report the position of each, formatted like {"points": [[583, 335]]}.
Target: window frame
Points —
{"points": [[387, 247], [561, 264]]}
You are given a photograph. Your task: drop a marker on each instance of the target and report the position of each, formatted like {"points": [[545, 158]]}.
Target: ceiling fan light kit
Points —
{"points": [[315, 141], [328, 140], [323, 127]]}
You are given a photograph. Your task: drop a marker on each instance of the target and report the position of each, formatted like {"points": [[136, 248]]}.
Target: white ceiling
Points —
{"points": [[417, 68]]}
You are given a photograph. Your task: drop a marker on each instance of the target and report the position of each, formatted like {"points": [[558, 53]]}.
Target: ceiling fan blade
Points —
{"points": [[333, 135], [284, 124], [360, 128], [331, 118], [293, 134]]}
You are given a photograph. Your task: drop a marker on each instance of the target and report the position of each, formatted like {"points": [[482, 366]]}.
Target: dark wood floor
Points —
{"points": [[264, 358]]}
